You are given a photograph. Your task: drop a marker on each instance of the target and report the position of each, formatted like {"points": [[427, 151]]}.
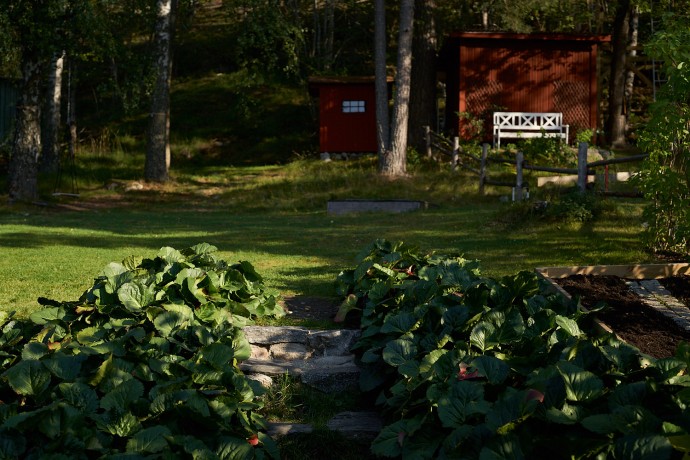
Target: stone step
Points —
{"points": [[330, 374], [318, 358], [287, 343], [351, 424]]}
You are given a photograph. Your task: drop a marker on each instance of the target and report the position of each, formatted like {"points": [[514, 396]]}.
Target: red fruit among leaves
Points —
{"points": [[253, 440], [464, 374]]}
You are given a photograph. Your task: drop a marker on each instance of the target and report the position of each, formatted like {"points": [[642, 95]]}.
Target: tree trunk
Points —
{"points": [[50, 127], [394, 160], [329, 34], [22, 174], [423, 91], [382, 117], [615, 126], [158, 142], [632, 40]]}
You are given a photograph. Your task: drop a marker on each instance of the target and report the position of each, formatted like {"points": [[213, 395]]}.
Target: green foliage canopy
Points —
{"points": [[144, 363]]}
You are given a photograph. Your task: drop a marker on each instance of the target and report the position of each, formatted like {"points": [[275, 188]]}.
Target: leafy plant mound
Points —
{"points": [[471, 367], [143, 365]]}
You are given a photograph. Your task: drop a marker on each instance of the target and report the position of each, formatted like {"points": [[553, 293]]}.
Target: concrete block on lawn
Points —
{"points": [[338, 207]]}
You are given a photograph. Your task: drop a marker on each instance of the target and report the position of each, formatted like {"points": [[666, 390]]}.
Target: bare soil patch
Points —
{"points": [[625, 313]]}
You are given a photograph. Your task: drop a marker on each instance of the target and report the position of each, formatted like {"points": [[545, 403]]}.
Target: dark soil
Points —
{"points": [[310, 308], [317, 309], [627, 315]]}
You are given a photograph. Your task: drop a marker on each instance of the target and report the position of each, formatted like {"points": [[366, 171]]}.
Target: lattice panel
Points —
{"points": [[483, 95], [572, 99]]}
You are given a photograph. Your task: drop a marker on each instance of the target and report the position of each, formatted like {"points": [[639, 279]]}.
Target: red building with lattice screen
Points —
{"points": [[487, 72]]}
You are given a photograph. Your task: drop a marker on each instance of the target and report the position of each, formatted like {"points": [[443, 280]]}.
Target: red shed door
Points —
{"points": [[347, 118]]}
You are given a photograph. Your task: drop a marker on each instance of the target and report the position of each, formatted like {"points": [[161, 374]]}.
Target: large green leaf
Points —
{"points": [[34, 350], [65, 367], [502, 448], [115, 275], [216, 354], [241, 348], [580, 385], [122, 396], [28, 377], [135, 295], [397, 352], [123, 425], [48, 314], [463, 400], [400, 323], [80, 395], [649, 447], [495, 370], [174, 317], [482, 336], [234, 449], [569, 325], [389, 441], [170, 255], [511, 328], [150, 440], [90, 335]]}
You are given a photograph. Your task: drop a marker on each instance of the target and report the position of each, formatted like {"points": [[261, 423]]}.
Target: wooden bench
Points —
{"points": [[521, 125]]}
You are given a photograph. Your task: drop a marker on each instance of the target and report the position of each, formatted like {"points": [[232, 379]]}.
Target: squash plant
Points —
{"points": [[465, 366], [143, 365]]}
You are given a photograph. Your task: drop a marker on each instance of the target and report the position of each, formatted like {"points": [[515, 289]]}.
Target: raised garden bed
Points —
{"points": [[390, 206], [646, 305]]}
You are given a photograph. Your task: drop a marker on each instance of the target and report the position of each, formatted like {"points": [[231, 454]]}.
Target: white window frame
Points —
{"points": [[353, 106]]}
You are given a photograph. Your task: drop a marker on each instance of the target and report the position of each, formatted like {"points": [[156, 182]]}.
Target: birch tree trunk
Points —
{"points": [[381, 83], [157, 164], [423, 90], [50, 127], [394, 160], [23, 169]]}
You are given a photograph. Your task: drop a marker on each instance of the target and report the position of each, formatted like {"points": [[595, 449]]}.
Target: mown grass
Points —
{"points": [[275, 217]]}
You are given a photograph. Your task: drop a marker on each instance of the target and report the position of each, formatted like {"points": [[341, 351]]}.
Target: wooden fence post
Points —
{"points": [[482, 168], [427, 136], [582, 166], [519, 158], [456, 152]]}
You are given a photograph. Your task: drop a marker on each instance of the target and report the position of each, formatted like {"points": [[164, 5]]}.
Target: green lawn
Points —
{"points": [[259, 215]]}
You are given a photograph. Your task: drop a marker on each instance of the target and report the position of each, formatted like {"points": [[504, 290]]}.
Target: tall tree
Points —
{"points": [[34, 28], [381, 77], [423, 91], [615, 124], [393, 158], [157, 164], [50, 126], [23, 167], [37, 31]]}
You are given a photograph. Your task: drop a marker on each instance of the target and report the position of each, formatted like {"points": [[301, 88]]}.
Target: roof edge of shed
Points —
{"points": [[533, 36]]}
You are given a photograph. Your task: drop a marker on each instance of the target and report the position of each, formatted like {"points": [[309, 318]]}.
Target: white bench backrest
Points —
{"points": [[528, 120]]}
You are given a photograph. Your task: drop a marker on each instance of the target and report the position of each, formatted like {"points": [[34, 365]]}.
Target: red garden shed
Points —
{"points": [[487, 72], [347, 113]]}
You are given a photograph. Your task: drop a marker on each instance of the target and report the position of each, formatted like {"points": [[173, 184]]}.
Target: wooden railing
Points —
{"points": [[437, 144]]}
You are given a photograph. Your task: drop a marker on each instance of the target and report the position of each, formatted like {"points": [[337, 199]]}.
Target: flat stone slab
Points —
{"points": [[352, 424], [656, 296], [289, 343], [392, 206], [330, 374]]}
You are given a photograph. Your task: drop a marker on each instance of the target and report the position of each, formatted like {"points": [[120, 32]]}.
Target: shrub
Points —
{"points": [[472, 367], [144, 363]]}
